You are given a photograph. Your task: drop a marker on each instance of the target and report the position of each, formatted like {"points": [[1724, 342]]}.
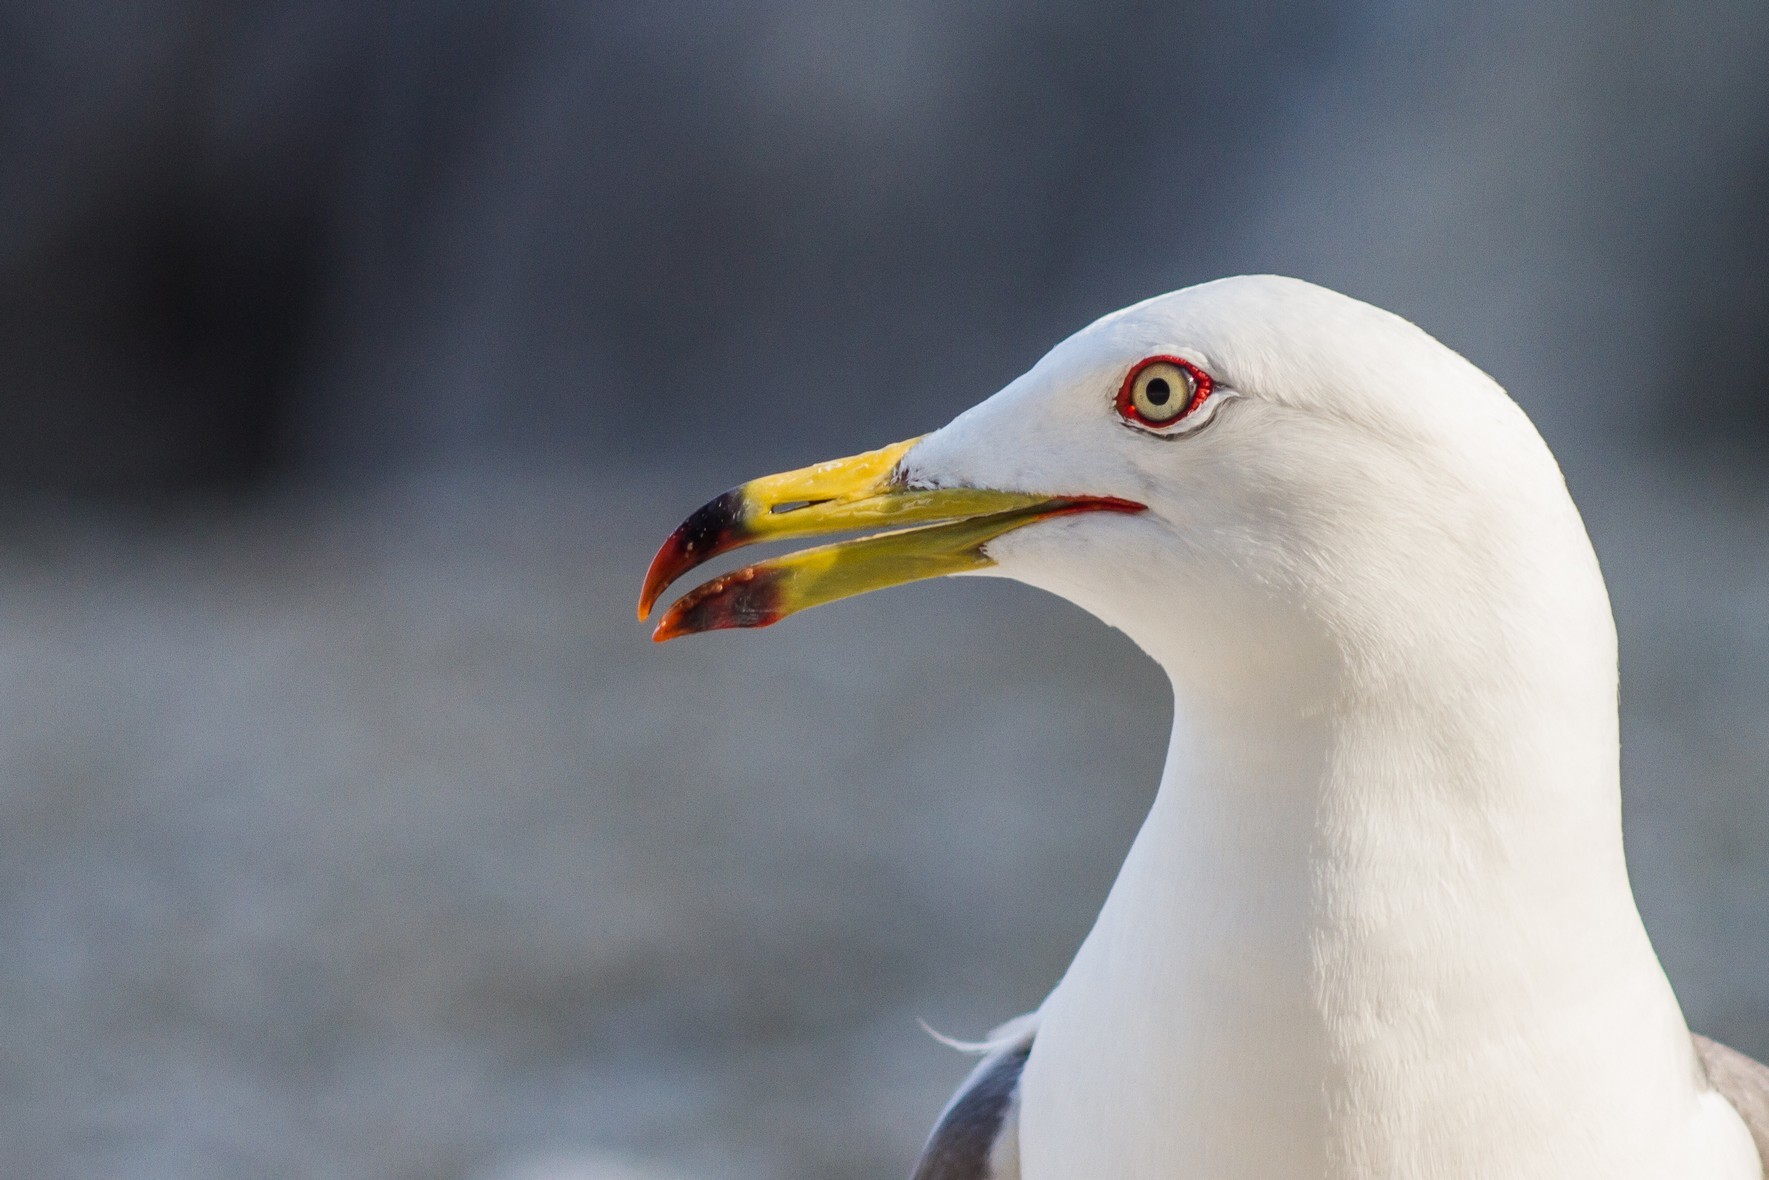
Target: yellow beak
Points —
{"points": [[862, 492]]}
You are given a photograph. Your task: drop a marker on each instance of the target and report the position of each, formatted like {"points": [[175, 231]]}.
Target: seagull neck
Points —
{"points": [[1396, 842], [1426, 798], [1421, 790], [1362, 914]]}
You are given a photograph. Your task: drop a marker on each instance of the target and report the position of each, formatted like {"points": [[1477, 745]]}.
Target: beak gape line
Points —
{"points": [[949, 528]]}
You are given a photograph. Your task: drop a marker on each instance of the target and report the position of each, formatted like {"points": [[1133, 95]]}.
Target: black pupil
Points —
{"points": [[1158, 391]]}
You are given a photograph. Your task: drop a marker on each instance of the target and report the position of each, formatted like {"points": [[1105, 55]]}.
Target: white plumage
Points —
{"points": [[1377, 923]]}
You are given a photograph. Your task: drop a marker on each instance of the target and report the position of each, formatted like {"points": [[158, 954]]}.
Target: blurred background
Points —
{"points": [[353, 359]]}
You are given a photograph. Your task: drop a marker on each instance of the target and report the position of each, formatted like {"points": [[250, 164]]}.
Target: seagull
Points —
{"points": [[1377, 923]]}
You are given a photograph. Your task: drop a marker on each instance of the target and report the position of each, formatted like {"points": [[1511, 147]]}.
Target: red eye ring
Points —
{"points": [[1201, 385]]}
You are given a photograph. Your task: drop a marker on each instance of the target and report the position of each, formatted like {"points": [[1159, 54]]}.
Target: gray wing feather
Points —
{"points": [[1742, 1082], [977, 1137]]}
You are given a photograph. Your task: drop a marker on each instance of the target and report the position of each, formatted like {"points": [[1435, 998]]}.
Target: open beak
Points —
{"points": [[863, 492]]}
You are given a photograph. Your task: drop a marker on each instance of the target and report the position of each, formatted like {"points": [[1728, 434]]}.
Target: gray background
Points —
{"points": [[354, 358]]}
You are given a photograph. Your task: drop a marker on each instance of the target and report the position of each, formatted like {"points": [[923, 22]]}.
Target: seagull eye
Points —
{"points": [[1161, 390]]}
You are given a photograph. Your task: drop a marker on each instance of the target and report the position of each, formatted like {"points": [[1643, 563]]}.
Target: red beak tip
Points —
{"points": [[670, 626]]}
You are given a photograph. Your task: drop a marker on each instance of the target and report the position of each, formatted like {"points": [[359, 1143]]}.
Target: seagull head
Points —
{"points": [[1253, 478]]}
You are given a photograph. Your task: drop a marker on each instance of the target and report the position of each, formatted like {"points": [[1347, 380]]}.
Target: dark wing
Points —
{"points": [[1742, 1082], [978, 1135]]}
